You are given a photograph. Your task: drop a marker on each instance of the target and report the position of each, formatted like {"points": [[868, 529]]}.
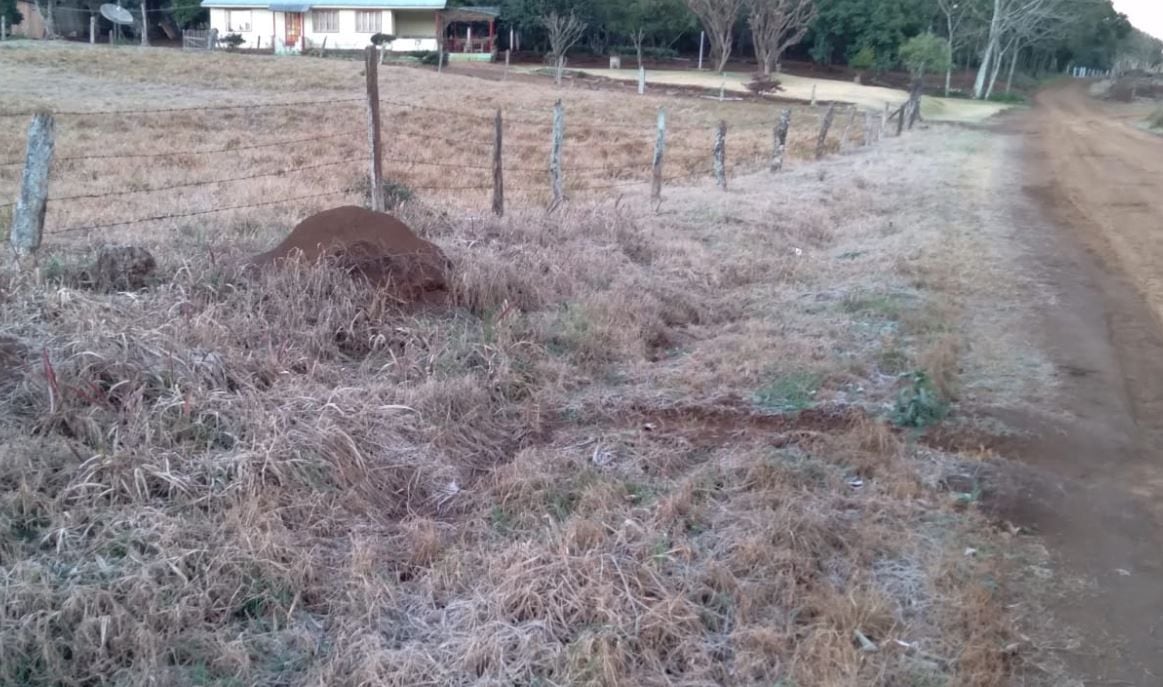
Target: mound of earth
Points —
{"points": [[374, 244]]}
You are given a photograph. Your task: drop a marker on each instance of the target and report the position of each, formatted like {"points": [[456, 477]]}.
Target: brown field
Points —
{"points": [[644, 445]]}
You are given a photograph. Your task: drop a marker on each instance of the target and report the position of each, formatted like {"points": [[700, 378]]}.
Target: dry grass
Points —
{"points": [[588, 470]]}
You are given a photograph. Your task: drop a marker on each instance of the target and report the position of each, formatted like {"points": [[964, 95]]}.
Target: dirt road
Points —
{"points": [[1094, 487]]}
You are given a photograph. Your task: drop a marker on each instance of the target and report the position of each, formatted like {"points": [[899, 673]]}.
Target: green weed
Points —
{"points": [[919, 405], [789, 393]]}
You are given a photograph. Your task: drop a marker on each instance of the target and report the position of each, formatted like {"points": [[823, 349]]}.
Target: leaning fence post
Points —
{"points": [[659, 153], [144, 27], [824, 126], [720, 161], [555, 155], [847, 129], [498, 168], [900, 122], [641, 81], [915, 99], [779, 145], [28, 217], [371, 68]]}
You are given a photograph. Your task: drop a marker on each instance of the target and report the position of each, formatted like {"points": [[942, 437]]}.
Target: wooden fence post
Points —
{"points": [[915, 99], [702, 42], [555, 180], [144, 27], [813, 95], [659, 154], [28, 216], [867, 129], [498, 168], [641, 81], [824, 126], [371, 68], [508, 55], [779, 145], [3, 27], [212, 39], [848, 129], [720, 157], [900, 122]]}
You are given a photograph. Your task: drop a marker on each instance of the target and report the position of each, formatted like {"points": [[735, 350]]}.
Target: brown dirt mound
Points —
{"points": [[374, 244]]}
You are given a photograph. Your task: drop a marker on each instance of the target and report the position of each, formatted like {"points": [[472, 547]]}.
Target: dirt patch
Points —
{"points": [[373, 244]]}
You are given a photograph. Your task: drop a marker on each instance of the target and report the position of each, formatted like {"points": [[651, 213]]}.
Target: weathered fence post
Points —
{"points": [[28, 217], [440, 57], [883, 121], [498, 168], [507, 56], [212, 39], [821, 142], [659, 153], [3, 27], [720, 157], [867, 129], [848, 129], [813, 95], [323, 49], [641, 81], [371, 68], [915, 99], [144, 27], [780, 143], [900, 122], [555, 180], [702, 42]]}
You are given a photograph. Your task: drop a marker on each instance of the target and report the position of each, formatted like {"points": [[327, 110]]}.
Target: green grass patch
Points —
{"points": [[789, 393], [919, 405]]}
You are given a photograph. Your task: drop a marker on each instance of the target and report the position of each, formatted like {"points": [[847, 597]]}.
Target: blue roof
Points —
{"points": [[278, 6]]}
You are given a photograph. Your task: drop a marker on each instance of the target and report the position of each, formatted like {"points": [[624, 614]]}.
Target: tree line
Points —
{"points": [[995, 37]]}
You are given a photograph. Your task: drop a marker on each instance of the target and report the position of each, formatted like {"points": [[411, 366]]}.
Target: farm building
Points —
{"points": [[299, 25]]}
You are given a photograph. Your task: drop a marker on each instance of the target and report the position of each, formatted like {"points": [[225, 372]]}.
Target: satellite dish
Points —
{"points": [[115, 14]]}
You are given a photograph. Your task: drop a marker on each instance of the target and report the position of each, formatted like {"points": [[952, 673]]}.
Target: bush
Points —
{"points": [[648, 52], [864, 59], [919, 405], [925, 52], [232, 41], [1155, 121], [379, 39], [1008, 98], [429, 57], [762, 83]]}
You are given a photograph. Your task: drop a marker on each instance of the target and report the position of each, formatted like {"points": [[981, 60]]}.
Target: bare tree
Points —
{"points": [[776, 25], [564, 31], [956, 13], [718, 18], [1012, 24], [47, 9]]}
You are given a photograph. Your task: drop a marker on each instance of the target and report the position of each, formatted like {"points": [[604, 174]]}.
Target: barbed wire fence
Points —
{"points": [[387, 176]]}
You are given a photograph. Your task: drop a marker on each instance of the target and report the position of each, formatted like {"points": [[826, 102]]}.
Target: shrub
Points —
{"points": [[232, 41], [379, 39], [762, 83], [864, 58], [924, 52], [648, 52], [1155, 121], [1009, 98], [919, 405], [429, 57]]}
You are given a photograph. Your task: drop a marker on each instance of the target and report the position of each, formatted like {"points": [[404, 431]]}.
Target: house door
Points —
{"points": [[294, 26]]}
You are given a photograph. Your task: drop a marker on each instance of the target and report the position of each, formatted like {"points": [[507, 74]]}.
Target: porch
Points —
{"points": [[469, 33]]}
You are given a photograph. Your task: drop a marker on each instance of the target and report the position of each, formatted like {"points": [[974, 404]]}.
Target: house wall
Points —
{"points": [[262, 26], [419, 33]]}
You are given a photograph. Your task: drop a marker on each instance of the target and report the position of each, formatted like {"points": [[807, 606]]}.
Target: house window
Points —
{"points": [[238, 21], [368, 22], [325, 21]]}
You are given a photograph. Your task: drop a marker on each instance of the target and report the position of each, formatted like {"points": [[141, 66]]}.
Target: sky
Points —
{"points": [[1146, 15]]}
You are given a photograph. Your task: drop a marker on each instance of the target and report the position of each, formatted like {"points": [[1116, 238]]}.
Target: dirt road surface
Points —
{"points": [[1094, 487]]}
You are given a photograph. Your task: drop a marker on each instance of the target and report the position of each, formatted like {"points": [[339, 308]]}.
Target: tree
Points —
{"points": [[844, 27], [47, 11], [188, 12], [8, 11], [777, 25], [649, 21], [564, 31], [1011, 23], [958, 15], [924, 52], [718, 17]]}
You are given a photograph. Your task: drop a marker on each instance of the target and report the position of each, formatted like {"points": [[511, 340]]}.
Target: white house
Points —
{"points": [[297, 25]]}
